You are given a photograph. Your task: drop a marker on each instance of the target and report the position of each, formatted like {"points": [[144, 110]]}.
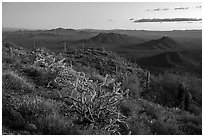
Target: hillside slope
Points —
{"points": [[164, 43], [87, 92], [116, 39], [108, 41], [172, 61]]}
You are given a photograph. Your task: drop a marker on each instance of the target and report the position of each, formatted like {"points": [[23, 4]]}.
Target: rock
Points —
{"points": [[30, 127]]}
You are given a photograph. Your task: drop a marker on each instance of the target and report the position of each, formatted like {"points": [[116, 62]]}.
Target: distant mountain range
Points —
{"points": [[117, 39], [9, 29], [164, 43], [88, 30], [109, 41], [189, 38], [148, 48]]}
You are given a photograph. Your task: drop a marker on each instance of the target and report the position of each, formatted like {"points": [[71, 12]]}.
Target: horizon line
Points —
{"points": [[24, 29]]}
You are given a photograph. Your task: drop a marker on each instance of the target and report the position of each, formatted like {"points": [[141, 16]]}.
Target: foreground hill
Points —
{"points": [[88, 92], [164, 43]]}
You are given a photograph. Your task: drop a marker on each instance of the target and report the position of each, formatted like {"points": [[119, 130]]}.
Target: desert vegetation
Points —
{"points": [[91, 91]]}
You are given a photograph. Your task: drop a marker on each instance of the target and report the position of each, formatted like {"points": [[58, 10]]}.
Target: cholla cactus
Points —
{"points": [[91, 100], [49, 61]]}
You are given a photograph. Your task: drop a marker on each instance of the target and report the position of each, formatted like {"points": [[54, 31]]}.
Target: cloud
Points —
{"points": [[181, 8], [166, 20], [110, 20], [157, 9], [165, 9], [177, 8], [198, 7]]}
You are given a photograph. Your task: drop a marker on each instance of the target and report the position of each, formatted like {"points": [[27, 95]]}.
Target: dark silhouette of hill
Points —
{"points": [[61, 30], [171, 60], [114, 38], [54, 38], [164, 43], [12, 29]]}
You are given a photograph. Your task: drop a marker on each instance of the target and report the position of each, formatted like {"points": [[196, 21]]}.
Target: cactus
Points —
{"points": [[90, 100], [65, 47], [11, 52], [147, 80]]}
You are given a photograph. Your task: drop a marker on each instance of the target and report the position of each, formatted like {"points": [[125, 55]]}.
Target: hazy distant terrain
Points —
{"points": [[131, 44], [190, 38]]}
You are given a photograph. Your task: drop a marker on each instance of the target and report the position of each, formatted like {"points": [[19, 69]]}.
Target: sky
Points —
{"points": [[103, 15]]}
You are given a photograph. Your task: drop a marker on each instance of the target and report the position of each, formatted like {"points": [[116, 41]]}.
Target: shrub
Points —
{"points": [[48, 115], [157, 119], [34, 106], [86, 69], [195, 109], [192, 129], [92, 101], [39, 75], [132, 83], [54, 124], [163, 89], [190, 124], [9, 44], [10, 117], [138, 126], [12, 80], [8, 60], [164, 128]]}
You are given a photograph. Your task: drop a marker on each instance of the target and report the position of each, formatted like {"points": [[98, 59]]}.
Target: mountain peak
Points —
{"points": [[165, 38], [115, 38], [164, 43], [59, 29]]}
